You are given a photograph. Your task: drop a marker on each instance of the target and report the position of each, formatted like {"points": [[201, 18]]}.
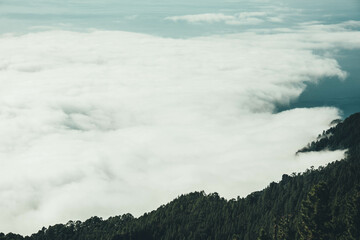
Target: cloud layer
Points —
{"points": [[243, 18], [105, 123]]}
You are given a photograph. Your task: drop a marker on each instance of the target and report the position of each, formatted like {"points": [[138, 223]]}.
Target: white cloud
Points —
{"points": [[245, 21], [275, 19], [273, 15], [243, 18], [104, 123], [205, 17]]}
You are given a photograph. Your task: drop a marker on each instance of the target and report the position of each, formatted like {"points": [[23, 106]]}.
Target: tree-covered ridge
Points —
{"points": [[344, 135], [318, 204]]}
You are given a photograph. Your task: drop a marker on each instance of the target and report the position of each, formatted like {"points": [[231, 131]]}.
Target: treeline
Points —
{"points": [[344, 135], [318, 204]]}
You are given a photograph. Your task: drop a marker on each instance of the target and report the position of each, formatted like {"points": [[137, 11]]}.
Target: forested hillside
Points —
{"points": [[344, 135], [318, 204]]}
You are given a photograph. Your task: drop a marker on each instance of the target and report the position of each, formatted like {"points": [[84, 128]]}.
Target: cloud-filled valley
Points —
{"points": [[141, 119]]}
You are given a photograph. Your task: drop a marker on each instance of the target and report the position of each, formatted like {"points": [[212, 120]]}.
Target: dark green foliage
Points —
{"points": [[319, 204], [263, 235], [315, 215], [11, 236], [284, 228], [353, 214]]}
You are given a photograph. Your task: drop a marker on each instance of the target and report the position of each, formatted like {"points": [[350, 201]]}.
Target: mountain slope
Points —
{"points": [[344, 135]]}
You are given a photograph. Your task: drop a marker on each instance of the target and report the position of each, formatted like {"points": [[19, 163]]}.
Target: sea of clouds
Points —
{"points": [[109, 122]]}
